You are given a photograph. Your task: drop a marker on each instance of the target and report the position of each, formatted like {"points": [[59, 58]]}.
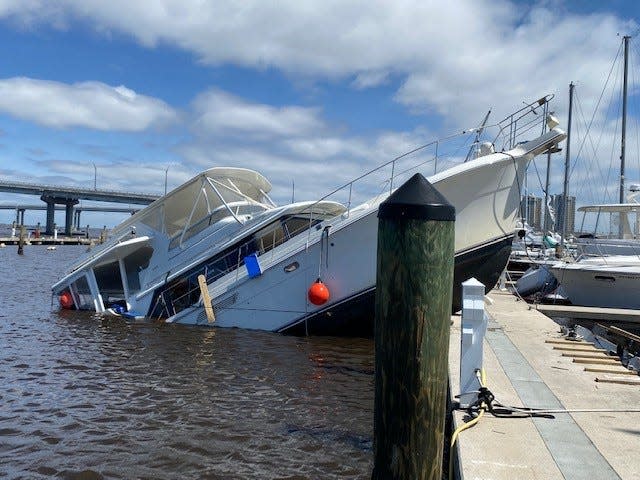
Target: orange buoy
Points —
{"points": [[66, 300], [318, 293]]}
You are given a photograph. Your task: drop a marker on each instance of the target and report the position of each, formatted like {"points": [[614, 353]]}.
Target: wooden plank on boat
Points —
{"points": [[620, 381], [591, 313], [598, 361], [613, 371], [206, 299]]}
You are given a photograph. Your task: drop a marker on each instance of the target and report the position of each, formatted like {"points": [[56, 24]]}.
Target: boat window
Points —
{"points": [[109, 282], [184, 292], [295, 225], [134, 264], [605, 278], [82, 294], [186, 203], [269, 237]]}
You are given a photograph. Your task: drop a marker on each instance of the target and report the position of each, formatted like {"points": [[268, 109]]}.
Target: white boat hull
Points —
{"points": [[605, 283]]}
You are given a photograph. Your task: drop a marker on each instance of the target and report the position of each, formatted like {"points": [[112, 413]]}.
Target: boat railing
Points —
{"points": [[433, 157], [513, 128]]}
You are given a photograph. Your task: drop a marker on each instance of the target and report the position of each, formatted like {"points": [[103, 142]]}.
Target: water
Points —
{"points": [[84, 396]]}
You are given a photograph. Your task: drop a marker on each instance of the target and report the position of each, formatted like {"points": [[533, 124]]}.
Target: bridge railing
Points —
{"points": [[6, 185]]}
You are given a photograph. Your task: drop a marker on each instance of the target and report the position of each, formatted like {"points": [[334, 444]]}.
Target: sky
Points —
{"points": [[308, 93]]}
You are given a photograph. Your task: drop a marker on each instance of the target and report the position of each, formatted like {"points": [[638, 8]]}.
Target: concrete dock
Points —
{"points": [[529, 363]]}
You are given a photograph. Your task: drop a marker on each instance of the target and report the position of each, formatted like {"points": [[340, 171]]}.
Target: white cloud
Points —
{"points": [[290, 144], [456, 58], [330, 38], [370, 79], [540, 55], [87, 104], [452, 55], [219, 112]]}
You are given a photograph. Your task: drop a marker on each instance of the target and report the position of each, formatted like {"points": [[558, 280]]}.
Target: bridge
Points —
{"points": [[54, 195], [77, 211]]}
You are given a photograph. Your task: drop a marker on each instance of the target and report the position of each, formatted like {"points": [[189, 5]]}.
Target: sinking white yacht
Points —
{"points": [[220, 236]]}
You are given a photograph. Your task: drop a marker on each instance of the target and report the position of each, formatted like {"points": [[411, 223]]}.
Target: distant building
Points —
{"points": [[558, 204], [531, 211]]}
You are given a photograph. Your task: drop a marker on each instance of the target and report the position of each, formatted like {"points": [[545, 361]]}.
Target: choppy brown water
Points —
{"points": [[83, 396]]}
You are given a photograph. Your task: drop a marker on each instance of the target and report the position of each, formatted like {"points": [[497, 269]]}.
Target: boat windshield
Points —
{"points": [[616, 220]]}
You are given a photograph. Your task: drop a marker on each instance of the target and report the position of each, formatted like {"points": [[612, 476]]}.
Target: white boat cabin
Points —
{"points": [[206, 226]]}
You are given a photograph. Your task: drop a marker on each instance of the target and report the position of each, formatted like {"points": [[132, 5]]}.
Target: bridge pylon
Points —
{"points": [[51, 201]]}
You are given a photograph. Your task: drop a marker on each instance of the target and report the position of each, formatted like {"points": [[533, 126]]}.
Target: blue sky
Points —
{"points": [[308, 92]]}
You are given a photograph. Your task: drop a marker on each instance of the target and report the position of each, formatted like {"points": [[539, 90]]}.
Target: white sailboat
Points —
{"points": [[608, 273]]}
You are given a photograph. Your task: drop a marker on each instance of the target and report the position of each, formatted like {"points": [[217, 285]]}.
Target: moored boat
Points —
{"points": [[611, 281]]}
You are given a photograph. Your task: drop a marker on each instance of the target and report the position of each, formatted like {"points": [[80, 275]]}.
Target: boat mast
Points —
{"points": [[565, 188], [624, 115]]}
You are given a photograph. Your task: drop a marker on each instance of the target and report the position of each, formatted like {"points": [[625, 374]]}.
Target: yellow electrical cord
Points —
{"points": [[483, 407], [464, 426]]}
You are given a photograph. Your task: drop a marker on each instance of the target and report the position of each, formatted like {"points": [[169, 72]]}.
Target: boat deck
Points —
{"points": [[528, 363]]}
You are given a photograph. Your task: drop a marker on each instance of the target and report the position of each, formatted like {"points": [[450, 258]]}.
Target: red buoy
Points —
{"points": [[66, 300], [318, 293]]}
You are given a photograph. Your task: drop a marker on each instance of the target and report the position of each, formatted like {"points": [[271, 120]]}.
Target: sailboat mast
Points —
{"points": [[624, 115], [565, 188]]}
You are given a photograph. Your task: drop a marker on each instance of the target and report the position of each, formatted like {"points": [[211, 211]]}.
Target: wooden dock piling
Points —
{"points": [[412, 320], [21, 240]]}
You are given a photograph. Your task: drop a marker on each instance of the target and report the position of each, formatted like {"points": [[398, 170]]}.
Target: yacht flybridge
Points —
{"points": [[208, 225], [217, 250]]}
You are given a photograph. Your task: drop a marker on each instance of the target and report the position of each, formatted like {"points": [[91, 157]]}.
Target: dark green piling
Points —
{"points": [[413, 314], [21, 240]]}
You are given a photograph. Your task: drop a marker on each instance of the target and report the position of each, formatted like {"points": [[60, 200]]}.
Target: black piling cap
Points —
{"points": [[417, 199]]}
